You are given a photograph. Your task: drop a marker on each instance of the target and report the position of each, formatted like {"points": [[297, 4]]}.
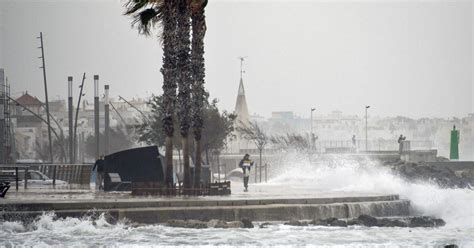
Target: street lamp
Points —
{"points": [[96, 117], [312, 135], [366, 139], [107, 119]]}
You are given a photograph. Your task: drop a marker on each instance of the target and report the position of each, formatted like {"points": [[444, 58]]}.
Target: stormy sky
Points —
{"points": [[411, 58]]}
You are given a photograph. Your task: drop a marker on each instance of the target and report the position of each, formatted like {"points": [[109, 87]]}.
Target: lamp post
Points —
{"points": [[107, 120], [70, 112], [96, 116], [312, 135], [366, 139]]}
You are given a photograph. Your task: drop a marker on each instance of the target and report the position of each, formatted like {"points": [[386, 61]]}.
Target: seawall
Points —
{"points": [[151, 211]]}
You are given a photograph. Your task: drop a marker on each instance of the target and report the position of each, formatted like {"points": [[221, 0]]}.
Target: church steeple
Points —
{"points": [[241, 109], [241, 87]]}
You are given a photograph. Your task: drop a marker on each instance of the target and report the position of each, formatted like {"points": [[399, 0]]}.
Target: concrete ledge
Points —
{"points": [[166, 202], [269, 212]]}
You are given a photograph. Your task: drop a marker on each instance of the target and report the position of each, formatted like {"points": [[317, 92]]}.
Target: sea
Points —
{"points": [[299, 178]]}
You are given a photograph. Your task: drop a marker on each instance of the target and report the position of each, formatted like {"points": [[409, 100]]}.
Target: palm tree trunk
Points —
{"points": [[198, 73], [169, 161], [197, 165], [169, 83], [179, 169], [184, 83], [187, 168], [207, 155]]}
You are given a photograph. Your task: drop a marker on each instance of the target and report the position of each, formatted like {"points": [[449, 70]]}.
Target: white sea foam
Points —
{"points": [[453, 205], [456, 206]]}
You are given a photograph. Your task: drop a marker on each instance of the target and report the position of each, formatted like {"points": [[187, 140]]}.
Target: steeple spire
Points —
{"points": [[241, 109], [241, 88], [242, 67]]}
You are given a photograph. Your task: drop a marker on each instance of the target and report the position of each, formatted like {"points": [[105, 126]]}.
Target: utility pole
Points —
{"points": [[107, 120], [77, 115], [71, 131], [366, 129], [40, 118], [119, 115], [145, 117], [96, 116], [47, 108], [3, 101]]}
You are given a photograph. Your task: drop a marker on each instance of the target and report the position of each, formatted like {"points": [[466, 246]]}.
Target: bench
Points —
{"points": [[10, 178]]}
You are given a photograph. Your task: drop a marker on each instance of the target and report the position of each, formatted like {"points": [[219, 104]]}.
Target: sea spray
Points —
{"points": [[338, 174]]}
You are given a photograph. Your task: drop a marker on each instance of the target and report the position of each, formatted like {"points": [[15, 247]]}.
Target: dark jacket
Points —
{"points": [[100, 164]]}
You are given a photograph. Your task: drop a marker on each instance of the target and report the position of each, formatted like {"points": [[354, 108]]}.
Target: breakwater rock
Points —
{"points": [[198, 224], [370, 221], [443, 176]]}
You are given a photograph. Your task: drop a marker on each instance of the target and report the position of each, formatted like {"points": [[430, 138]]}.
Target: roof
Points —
{"points": [[27, 100]]}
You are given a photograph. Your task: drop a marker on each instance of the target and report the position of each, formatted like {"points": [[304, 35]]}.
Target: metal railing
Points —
{"points": [[72, 174]]}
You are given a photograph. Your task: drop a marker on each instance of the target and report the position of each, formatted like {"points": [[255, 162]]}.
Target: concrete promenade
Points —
{"points": [[260, 204]]}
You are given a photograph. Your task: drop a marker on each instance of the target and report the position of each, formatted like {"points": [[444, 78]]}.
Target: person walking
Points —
{"points": [[99, 175], [246, 164]]}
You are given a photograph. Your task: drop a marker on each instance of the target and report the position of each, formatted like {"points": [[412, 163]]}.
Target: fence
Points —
{"points": [[70, 173], [75, 175]]}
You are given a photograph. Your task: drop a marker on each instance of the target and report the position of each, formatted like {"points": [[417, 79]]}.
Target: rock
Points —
{"points": [[442, 159], [265, 225], [187, 223], [367, 220], [451, 246], [424, 221], [439, 222], [247, 223], [353, 222], [337, 222], [296, 223], [391, 223], [196, 224], [176, 223], [110, 218], [216, 224], [329, 222], [318, 222], [443, 176], [235, 224]]}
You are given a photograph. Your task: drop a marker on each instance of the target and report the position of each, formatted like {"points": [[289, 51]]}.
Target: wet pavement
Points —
{"points": [[256, 191]]}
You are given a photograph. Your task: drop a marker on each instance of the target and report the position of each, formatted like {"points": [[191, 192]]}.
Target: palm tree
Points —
{"points": [[147, 14], [184, 83], [198, 72]]}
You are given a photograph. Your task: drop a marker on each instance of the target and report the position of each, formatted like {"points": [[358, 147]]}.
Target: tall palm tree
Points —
{"points": [[184, 83], [199, 28], [147, 14]]}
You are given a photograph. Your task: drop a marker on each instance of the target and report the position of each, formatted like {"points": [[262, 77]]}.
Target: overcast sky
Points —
{"points": [[411, 58]]}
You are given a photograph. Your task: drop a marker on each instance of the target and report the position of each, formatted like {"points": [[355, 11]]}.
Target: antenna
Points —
{"points": [[242, 58]]}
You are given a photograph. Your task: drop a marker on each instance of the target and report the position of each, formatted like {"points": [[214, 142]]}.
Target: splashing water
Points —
{"points": [[454, 205]]}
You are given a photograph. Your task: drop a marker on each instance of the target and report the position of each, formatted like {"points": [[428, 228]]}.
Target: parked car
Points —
{"points": [[236, 174], [35, 178]]}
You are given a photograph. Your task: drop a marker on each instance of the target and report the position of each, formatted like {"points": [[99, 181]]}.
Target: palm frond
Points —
{"points": [[132, 6], [145, 19], [145, 14]]}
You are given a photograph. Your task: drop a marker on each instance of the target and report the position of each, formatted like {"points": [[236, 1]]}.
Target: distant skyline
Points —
{"points": [[408, 58]]}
